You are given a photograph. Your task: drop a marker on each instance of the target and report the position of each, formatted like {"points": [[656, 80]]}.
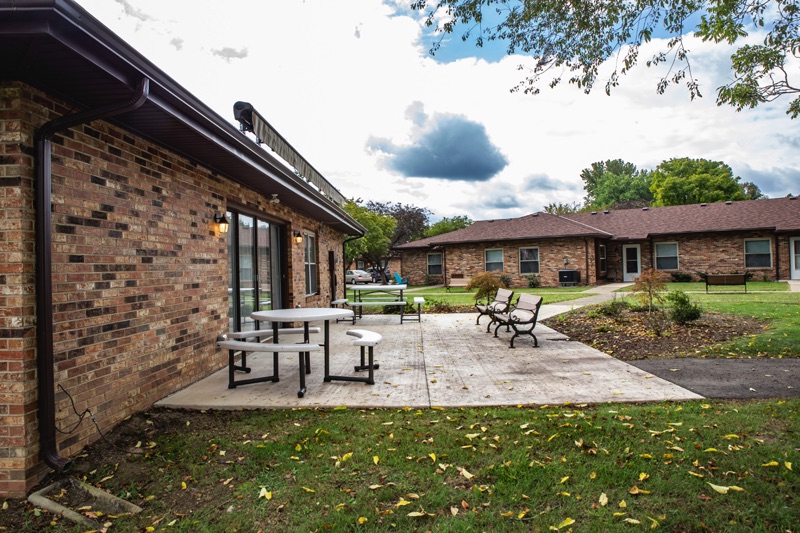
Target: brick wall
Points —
{"points": [[139, 276], [468, 259], [713, 253]]}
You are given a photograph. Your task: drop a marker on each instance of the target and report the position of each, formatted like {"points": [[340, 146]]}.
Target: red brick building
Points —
{"points": [[116, 277], [761, 237]]}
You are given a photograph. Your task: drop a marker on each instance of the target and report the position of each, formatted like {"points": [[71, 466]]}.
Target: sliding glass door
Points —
{"points": [[254, 261]]}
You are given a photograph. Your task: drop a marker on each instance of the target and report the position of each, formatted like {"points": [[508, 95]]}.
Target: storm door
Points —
{"points": [[254, 274], [794, 246], [631, 261]]}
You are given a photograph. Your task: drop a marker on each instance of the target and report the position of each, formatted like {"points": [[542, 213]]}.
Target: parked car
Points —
{"points": [[354, 277], [376, 275]]}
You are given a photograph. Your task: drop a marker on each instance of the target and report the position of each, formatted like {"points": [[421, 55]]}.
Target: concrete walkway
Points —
{"points": [[445, 360]]}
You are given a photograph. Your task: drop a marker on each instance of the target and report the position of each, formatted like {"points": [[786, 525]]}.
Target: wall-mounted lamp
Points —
{"points": [[222, 222], [274, 199], [298, 237], [566, 260]]}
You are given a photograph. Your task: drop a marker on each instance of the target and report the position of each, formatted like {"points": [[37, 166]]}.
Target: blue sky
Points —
{"points": [[353, 88]]}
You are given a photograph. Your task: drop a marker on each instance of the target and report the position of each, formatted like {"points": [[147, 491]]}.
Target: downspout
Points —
{"points": [[586, 257], [44, 283], [345, 265]]}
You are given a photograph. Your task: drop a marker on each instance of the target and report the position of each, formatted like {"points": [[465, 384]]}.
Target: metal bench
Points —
{"points": [[233, 346], [366, 339], [522, 318], [500, 304]]}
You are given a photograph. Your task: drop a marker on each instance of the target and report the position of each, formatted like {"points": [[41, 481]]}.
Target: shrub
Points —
{"points": [[487, 284], [681, 277], [683, 310], [649, 285], [533, 281], [613, 309], [505, 279]]}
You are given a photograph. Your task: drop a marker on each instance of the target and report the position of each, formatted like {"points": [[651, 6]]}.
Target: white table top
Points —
{"points": [[372, 287], [301, 314]]}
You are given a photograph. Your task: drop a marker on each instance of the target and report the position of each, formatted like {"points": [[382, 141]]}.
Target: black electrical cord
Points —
{"points": [[81, 416]]}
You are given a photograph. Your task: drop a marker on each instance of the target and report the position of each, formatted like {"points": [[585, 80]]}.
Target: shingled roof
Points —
{"points": [[779, 215], [533, 226]]}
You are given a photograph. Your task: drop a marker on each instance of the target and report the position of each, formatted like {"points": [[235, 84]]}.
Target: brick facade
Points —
{"points": [[139, 276], [469, 260], [703, 252]]}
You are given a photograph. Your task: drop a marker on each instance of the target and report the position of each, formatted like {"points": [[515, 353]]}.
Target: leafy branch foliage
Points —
{"points": [[575, 37]]}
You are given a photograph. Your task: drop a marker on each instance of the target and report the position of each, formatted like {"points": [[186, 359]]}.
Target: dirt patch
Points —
{"points": [[635, 335]]}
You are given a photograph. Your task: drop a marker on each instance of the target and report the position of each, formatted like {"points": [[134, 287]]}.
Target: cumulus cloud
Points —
{"points": [[774, 182], [505, 201], [543, 182], [131, 11], [445, 146], [227, 53]]}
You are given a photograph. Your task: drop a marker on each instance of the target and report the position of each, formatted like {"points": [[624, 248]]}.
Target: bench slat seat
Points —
{"points": [[500, 304]]}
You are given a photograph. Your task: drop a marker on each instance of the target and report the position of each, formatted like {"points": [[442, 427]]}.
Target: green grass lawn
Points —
{"points": [[693, 466]]}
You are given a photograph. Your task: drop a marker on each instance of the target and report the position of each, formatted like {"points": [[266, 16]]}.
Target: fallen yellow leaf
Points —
{"points": [[361, 520], [771, 463], [566, 522], [603, 500], [375, 459]]}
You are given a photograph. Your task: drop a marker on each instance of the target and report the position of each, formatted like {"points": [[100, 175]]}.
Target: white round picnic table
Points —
{"points": [[304, 315]]}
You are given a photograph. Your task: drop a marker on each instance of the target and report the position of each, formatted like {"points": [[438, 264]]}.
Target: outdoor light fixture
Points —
{"points": [[298, 237], [566, 260], [274, 199], [222, 222]]}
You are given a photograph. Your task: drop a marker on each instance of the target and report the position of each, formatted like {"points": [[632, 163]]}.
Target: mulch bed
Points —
{"points": [[635, 335]]}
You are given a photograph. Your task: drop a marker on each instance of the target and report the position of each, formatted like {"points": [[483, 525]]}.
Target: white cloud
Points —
{"points": [[331, 79]]}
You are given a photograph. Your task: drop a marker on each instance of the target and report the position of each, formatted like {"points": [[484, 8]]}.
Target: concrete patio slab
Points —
{"points": [[445, 360]]}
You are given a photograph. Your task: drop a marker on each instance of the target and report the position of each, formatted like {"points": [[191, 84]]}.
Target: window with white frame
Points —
{"points": [[529, 260], [757, 253], [434, 264], [602, 256], [667, 256], [493, 260], [310, 261]]}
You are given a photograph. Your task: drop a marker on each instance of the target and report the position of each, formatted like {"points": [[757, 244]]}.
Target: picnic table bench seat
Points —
{"points": [[522, 318], [366, 340], [233, 346]]}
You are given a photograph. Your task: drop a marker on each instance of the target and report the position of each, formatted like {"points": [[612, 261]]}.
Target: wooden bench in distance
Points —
{"points": [[726, 279], [365, 339], [458, 280], [233, 346]]}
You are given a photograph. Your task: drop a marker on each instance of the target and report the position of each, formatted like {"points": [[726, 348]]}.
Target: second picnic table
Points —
{"points": [[375, 295]]}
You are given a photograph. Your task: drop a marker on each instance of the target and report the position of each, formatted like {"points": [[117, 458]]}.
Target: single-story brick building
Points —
{"points": [[761, 237], [117, 275]]}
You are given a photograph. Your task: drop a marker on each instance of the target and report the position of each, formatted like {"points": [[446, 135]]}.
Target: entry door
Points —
{"points": [[631, 261], [794, 245]]}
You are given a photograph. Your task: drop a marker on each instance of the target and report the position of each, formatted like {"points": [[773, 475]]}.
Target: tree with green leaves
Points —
{"points": [[448, 224], [412, 221], [559, 208], [374, 246], [577, 36], [614, 183], [683, 181]]}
